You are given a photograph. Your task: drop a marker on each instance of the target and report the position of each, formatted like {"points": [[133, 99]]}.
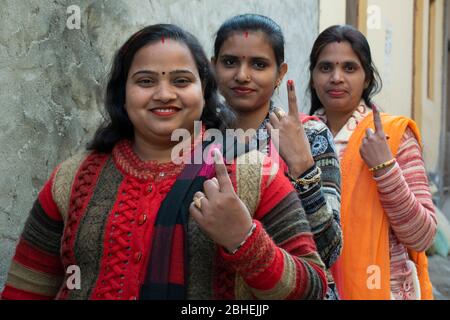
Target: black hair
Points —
{"points": [[360, 46], [252, 22], [117, 125]]}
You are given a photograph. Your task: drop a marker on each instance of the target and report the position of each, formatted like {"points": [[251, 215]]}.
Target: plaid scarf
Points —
{"points": [[170, 240], [169, 244]]}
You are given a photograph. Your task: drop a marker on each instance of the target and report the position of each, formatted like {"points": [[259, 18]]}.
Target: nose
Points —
{"points": [[337, 76], [243, 74], [164, 92]]}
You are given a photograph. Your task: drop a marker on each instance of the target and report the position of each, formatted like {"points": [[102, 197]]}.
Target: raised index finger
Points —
{"points": [[222, 176], [377, 120], [292, 99]]}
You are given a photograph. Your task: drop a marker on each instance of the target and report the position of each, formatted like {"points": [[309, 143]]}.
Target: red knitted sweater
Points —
{"points": [[104, 226]]}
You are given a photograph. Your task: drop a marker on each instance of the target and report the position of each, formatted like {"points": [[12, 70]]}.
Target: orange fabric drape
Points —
{"points": [[363, 269]]}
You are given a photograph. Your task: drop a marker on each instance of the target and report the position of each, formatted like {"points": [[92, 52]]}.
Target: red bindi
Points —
{"points": [[162, 39], [246, 34]]}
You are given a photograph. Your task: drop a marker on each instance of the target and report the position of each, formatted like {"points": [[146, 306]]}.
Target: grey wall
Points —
{"points": [[52, 78]]}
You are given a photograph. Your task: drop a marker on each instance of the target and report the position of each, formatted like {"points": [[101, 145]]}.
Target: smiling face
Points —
{"points": [[163, 91], [247, 71], [339, 78]]}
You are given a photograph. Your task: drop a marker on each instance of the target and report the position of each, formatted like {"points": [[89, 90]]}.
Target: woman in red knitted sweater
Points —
{"points": [[137, 221]]}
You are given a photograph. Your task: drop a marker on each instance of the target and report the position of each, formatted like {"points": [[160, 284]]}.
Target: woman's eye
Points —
{"points": [[182, 81], [146, 82], [260, 65], [325, 68], [228, 62], [350, 68]]}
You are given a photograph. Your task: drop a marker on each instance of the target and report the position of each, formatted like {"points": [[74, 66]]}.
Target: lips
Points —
{"points": [[336, 93], [242, 90], [165, 111]]}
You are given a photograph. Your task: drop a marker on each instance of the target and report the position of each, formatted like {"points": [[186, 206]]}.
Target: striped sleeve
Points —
{"points": [[280, 259], [406, 198], [36, 271], [322, 200]]}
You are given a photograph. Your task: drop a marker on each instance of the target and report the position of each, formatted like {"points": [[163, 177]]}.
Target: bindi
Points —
{"points": [[163, 73]]}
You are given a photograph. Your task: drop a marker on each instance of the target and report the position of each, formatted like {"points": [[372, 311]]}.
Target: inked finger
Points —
{"points": [[221, 172], [377, 120], [292, 99]]}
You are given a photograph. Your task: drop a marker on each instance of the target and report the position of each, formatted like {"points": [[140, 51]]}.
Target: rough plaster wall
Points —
{"points": [[52, 78]]}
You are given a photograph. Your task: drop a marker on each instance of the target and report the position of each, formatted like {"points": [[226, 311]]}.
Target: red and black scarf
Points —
{"points": [[169, 253], [169, 248]]}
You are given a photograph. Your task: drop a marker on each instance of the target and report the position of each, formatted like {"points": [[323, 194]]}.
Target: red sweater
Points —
{"points": [[101, 218]]}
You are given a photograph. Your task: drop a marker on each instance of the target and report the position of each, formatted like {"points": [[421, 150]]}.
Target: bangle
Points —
{"points": [[383, 165], [250, 232], [306, 181]]}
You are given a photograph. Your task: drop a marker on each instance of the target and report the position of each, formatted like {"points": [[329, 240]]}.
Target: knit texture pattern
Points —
{"points": [[114, 199]]}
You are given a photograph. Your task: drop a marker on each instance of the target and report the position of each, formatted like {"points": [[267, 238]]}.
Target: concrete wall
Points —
{"points": [[52, 78]]}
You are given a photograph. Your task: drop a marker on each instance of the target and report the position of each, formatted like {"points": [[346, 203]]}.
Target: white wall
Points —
{"points": [[391, 41], [331, 12], [392, 50], [432, 109]]}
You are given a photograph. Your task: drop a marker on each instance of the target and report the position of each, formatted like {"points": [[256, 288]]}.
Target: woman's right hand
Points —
{"points": [[374, 148], [291, 141], [222, 214]]}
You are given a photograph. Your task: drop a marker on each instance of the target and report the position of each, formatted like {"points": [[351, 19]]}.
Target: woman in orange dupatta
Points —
{"points": [[387, 214]]}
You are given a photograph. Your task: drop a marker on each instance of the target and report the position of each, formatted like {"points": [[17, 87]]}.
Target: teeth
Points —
{"points": [[166, 110]]}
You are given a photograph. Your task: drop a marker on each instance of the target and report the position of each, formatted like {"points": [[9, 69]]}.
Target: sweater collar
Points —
{"points": [[131, 164]]}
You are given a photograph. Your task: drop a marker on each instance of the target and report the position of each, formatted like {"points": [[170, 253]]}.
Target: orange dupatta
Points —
{"points": [[365, 225]]}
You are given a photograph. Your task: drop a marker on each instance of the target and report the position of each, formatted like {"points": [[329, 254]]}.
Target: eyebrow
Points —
{"points": [[343, 62], [230, 56], [150, 72]]}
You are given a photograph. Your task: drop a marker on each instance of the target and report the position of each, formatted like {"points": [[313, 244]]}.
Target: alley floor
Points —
{"points": [[439, 267]]}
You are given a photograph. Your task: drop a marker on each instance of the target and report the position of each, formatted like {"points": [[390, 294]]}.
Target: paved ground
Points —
{"points": [[439, 268]]}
